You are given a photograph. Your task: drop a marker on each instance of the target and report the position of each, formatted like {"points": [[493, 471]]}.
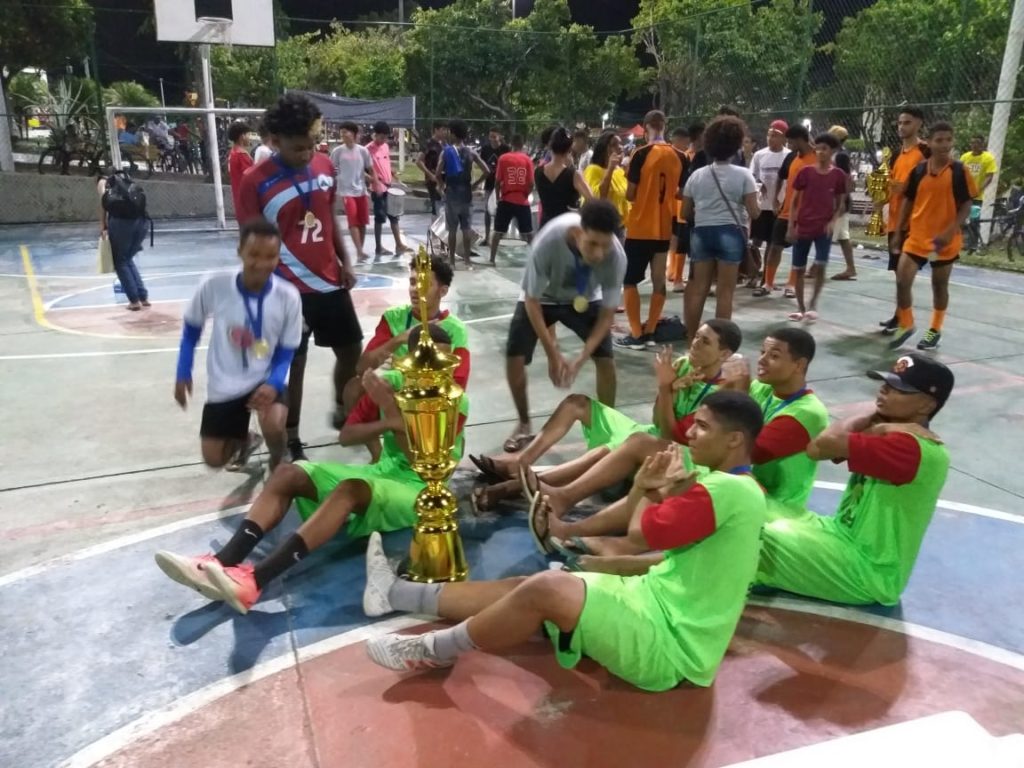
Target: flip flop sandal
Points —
{"points": [[762, 291], [541, 540], [570, 558], [843, 276], [486, 466], [516, 443], [572, 545], [524, 480], [241, 459], [475, 498], [811, 317], [795, 317]]}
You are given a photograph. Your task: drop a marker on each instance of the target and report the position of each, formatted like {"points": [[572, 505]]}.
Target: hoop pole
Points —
{"points": [[213, 149]]}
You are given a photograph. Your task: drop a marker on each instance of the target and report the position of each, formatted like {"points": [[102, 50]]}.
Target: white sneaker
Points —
{"points": [[379, 578], [404, 653], [189, 571]]}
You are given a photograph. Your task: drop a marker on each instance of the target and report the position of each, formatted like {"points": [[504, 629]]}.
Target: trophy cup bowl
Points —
{"points": [[878, 191], [429, 402]]}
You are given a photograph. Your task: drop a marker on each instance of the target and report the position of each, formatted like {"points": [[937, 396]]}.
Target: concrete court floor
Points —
{"points": [[94, 448]]}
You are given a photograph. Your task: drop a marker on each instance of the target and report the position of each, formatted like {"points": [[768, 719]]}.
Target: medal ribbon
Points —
{"points": [[253, 320], [307, 194], [582, 273], [770, 412], [743, 469]]}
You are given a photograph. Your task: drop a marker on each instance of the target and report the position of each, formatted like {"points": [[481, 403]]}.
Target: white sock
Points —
{"points": [[451, 643]]}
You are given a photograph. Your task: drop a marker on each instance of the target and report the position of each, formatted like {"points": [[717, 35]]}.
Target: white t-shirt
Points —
{"points": [[709, 209], [350, 169], [765, 166], [231, 368], [263, 152]]}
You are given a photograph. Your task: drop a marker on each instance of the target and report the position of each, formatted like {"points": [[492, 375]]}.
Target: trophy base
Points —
{"points": [[876, 226], [436, 555]]}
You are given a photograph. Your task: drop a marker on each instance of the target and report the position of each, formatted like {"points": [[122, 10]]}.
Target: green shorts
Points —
{"points": [[623, 629], [393, 494], [810, 555], [610, 428]]}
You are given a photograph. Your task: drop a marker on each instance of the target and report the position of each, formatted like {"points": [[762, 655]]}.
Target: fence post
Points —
{"points": [[99, 91], [1004, 105], [6, 150]]}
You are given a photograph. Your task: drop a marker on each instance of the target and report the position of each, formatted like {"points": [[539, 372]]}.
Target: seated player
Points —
{"points": [[257, 326], [328, 496], [655, 631], [390, 340], [793, 415], [682, 385], [865, 553]]}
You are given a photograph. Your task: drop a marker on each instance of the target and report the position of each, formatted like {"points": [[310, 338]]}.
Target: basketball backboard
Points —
{"points": [[231, 22]]}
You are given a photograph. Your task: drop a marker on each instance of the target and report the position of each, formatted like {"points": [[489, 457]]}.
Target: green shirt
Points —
{"points": [[689, 399], [392, 454], [789, 480], [400, 319], [701, 588], [887, 522]]}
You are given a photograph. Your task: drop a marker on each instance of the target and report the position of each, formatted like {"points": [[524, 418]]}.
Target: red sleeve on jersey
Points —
{"points": [[365, 412], [679, 520], [780, 438], [381, 336], [461, 374], [894, 457], [247, 203], [238, 164], [681, 427]]}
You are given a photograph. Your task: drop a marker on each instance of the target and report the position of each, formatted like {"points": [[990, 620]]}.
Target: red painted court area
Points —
{"points": [[790, 679]]}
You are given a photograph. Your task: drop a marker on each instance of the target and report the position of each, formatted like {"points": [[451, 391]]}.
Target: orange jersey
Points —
{"points": [[936, 198], [790, 169], [658, 171], [906, 162]]}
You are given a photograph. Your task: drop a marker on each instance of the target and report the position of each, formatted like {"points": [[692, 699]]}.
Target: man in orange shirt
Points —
{"points": [[679, 246], [912, 153], [936, 203], [802, 155], [656, 173]]}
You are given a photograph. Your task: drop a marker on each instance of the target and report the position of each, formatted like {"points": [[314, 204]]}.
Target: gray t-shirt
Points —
{"points": [[551, 270], [350, 168], [709, 209]]}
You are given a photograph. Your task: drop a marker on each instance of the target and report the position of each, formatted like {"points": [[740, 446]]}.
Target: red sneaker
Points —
{"points": [[237, 585]]}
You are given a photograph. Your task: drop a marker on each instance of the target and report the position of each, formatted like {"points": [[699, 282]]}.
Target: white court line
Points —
{"points": [[951, 506], [108, 275], [168, 715], [110, 353], [51, 308]]}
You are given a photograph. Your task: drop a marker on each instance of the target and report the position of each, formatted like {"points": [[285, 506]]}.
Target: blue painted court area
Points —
{"points": [[107, 638]]}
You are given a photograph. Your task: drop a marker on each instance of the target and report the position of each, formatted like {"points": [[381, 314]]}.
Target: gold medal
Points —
{"points": [[310, 220], [580, 304], [260, 349]]}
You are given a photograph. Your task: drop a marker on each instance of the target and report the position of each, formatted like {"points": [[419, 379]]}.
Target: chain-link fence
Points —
{"points": [[817, 62]]}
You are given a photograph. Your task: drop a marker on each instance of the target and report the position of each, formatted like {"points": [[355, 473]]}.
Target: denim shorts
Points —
{"points": [[802, 249], [721, 242]]}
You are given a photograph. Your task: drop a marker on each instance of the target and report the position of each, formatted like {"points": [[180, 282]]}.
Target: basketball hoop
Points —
{"points": [[215, 29]]}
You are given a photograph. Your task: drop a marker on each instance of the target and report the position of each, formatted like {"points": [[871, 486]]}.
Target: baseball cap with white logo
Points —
{"points": [[919, 374]]}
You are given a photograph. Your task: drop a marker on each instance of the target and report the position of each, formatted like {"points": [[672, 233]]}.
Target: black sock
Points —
{"points": [[280, 560], [248, 535]]}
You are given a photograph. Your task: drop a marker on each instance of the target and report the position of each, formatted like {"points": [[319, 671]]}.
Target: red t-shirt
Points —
{"points": [[308, 258], [781, 437], [367, 412], [515, 172], [818, 193], [239, 161], [894, 457], [383, 335]]}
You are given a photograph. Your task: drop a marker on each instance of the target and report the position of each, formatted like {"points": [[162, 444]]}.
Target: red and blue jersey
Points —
{"points": [[281, 195]]}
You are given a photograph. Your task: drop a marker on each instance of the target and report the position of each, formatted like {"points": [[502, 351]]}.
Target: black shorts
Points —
{"points": [[923, 261], [681, 230], [522, 339], [763, 226], [779, 229], [230, 420], [508, 211], [639, 254], [895, 248], [331, 319]]}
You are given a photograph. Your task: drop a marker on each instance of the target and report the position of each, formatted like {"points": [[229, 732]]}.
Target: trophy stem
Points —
{"points": [[436, 553]]}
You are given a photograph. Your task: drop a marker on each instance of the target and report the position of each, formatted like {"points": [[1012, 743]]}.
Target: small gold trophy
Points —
{"points": [[878, 191], [429, 401]]}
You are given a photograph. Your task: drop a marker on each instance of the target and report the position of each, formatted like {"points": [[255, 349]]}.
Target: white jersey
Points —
{"points": [[263, 152], [232, 368], [765, 166]]}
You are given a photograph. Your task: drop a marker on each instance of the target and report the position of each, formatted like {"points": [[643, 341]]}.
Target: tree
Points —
{"points": [[365, 65], [754, 56], [245, 75], [43, 35], [128, 93]]}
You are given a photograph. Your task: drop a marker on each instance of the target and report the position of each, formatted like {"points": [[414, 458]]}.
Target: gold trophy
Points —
{"points": [[429, 401], [878, 191]]}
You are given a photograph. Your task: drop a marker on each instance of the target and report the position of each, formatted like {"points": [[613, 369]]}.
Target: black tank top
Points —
{"points": [[558, 196]]}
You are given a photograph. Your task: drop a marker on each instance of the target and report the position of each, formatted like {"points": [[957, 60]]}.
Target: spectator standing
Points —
{"points": [[513, 185], [559, 184], [765, 167], [239, 159], [266, 148], [455, 170], [490, 153], [353, 167], [582, 154], [380, 153], [427, 162], [841, 234]]}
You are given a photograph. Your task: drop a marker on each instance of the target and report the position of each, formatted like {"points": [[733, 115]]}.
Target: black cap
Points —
{"points": [[918, 373]]}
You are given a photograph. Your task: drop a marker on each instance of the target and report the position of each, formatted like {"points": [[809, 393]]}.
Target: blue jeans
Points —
{"points": [[126, 236], [802, 249], [719, 242]]}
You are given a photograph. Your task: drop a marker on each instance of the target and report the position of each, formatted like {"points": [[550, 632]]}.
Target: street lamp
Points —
{"points": [[604, 120]]}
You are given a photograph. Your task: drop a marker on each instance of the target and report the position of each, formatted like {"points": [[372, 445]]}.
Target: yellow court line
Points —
{"points": [[39, 307]]}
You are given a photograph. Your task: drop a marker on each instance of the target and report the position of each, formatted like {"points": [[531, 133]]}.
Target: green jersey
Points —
{"points": [[392, 454], [789, 480], [400, 319], [688, 399]]}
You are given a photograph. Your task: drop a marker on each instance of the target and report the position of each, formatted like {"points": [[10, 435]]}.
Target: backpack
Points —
{"points": [[124, 197], [961, 192]]}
